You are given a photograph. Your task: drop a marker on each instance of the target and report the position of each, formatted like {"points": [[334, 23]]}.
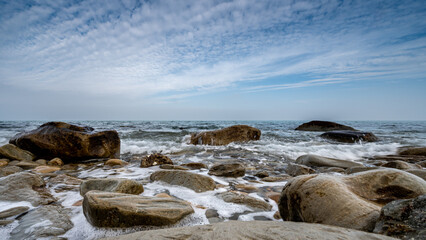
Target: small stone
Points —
{"points": [[78, 203], [262, 174], [155, 159], [115, 162], [46, 169], [249, 201], [277, 215], [210, 213], [276, 179], [398, 164], [4, 162], [414, 151], [297, 169], [56, 162], [27, 165], [359, 169], [8, 170], [246, 188], [274, 196], [4, 222]]}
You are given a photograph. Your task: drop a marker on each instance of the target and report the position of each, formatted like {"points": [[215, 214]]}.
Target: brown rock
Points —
{"points": [[13, 212], [277, 215], [69, 142], [56, 162], [27, 165], [196, 182], [11, 151], [117, 185], [400, 165], [169, 166], [276, 179], [228, 170], [421, 173], [195, 165], [163, 195], [359, 169], [350, 136], [414, 151], [254, 203], [8, 170], [237, 133], [41, 161], [4, 162], [323, 126], [155, 159], [246, 188], [297, 169], [274, 196], [262, 174], [46, 169], [115, 162], [104, 209]]}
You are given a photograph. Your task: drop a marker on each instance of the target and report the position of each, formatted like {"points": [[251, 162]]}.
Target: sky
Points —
{"points": [[212, 60]]}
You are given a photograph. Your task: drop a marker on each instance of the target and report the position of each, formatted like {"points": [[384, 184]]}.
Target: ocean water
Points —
{"points": [[279, 145]]}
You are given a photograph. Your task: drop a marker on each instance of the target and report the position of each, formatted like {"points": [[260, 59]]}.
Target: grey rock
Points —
{"points": [[196, 182], [11, 151], [318, 161], [252, 202], [297, 169], [9, 170], [421, 173], [117, 185], [13, 212]]}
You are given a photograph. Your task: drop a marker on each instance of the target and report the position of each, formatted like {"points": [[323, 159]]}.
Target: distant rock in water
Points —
{"points": [[414, 151], [237, 133], [322, 126], [350, 136], [69, 142]]}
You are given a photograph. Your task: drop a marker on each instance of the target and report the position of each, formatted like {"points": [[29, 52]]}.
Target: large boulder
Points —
{"points": [[155, 159], [322, 126], [103, 209], [414, 151], [117, 185], [69, 142], [11, 151], [404, 219], [352, 201], [24, 186], [262, 230], [318, 161], [194, 181], [237, 133], [228, 170], [238, 198], [44, 222], [349, 136]]}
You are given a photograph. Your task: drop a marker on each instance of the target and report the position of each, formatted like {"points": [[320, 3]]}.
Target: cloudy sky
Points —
{"points": [[212, 60]]}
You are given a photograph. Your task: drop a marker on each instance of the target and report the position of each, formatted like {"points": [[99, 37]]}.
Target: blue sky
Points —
{"points": [[212, 60]]}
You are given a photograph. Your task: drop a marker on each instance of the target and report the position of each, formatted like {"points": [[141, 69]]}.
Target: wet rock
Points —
{"points": [[169, 166], [210, 213], [46, 169], [27, 165], [252, 202], [277, 215], [65, 179], [318, 161], [227, 170], [322, 126], [41, 161], [275, 196], [405, 158], [359, 169], [155, 159], [422, 164], [56, 162], [43, 222], [261, 230], [246, 188], [104, 209], [418, 172], [352, 201], [8, 170], [69, 142], [331, 170], [414, 151], [350, 136], [24, 186], [118, 185], [4, 222], [13, 212], [163, 195], [276, 179], [195, 165], [262, 174], [196, 182], [237, 133], [297, 169], [404, 219], [400, 165], [11, 151], [4, 162], [115, 162]]}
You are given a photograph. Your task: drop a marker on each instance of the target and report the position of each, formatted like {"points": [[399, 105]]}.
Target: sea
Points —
{"points": [[279, 144]]}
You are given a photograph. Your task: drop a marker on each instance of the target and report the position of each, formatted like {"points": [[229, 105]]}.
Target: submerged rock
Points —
{"points": [[11, 151], [227, 170], [318, 161], [404, 219], [155, 159], [104, 209], [322, 126], [261, 230], [252, 202], [237, 133], [414, 151], [352, 201], [196, 182], [117, 185], [350, 136], [69, 142], [43, 222]]}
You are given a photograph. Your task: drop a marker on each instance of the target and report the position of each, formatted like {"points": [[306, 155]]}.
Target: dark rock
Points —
{"points": [[414, 151], [4, 222], [155, 159], [297, 169], [117, 185], [350, 136], [195, 165], [69, 142], [11, 151], [322, 126], [196, 182], [227, 170], [104, 209], [173, 167], [276, 179], [404, 219], [262, 174], [237, 133]]}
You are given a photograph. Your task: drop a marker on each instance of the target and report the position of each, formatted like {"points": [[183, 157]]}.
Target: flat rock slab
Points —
{"points": [[252, 202], [322, 126], [196, 182], [350, 136], [103, 209], [318, 161], [261, 230], [11, 151], [117, 185], [236, 133]]}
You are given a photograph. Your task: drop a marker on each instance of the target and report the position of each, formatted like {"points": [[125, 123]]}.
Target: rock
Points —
{"points": [[41, 161], [350, 136], [115, 162], [8, 170], [211, 213], [262, 174], [246, 188], [104, 209], [331, 170], [69, 142], [276, 179], [196, 182], [118, 185], [352, 201], [322, 126], [46, 169], [260, 230], [414, 151], [228, 170], [277, 215], [422, 164], [155, 159], [4, 162], [11, 151], [56, 162], [404, 219], [252, 202], [421, 173], [27, 165], [13, 212], [163, 195], [4, 222], [359, 169], [65, 179], [43, 222], [274, 196], [318, 161], [169, 166], [297, 169], [406, 158], [400, 165], [237, 133], [195, 165], [24, 186]]}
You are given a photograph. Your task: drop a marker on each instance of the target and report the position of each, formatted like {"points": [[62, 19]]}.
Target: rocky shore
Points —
{"points": [[61, 178]]}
